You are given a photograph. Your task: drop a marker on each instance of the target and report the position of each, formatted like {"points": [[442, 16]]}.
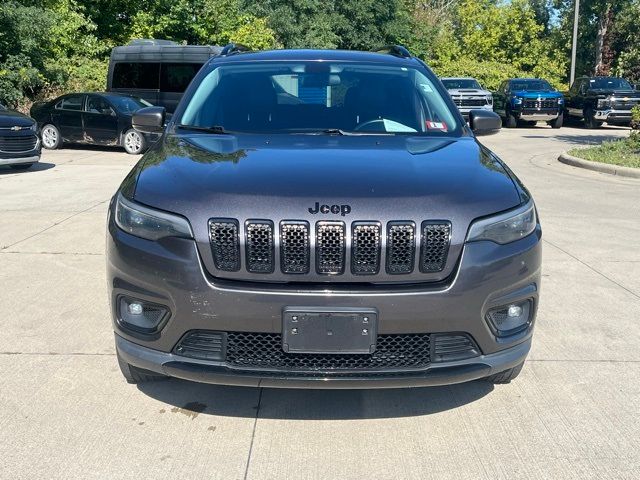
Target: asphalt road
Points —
{"points": [[66, 412]]}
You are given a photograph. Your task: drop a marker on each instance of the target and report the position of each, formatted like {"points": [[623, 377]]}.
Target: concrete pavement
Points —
{"points": [[66, 412]]}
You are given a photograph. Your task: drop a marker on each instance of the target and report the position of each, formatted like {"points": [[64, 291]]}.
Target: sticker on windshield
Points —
{"points": [[426, 87], [442, 126]]}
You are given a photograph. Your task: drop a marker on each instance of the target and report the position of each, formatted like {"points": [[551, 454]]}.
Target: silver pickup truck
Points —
{"points": [[468, 94]]}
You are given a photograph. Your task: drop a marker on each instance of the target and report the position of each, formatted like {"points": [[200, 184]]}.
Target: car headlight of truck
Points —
{"points": [[490, 99], [561, 101], [505, 227], [517, 101], [604, 102], [148, 223]]}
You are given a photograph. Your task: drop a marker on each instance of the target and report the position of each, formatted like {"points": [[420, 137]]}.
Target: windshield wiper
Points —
{"points": [[215, 129]]}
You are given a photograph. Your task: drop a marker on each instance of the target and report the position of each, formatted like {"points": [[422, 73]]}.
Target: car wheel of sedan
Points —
{"points": [[50, 137], [557, 122], [134, 142]]}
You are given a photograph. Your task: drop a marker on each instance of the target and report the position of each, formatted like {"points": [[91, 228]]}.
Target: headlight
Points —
{"points": [[560, 101], [603, 102], [517, 101], [489, 99], [506, 227], [148, 223]]}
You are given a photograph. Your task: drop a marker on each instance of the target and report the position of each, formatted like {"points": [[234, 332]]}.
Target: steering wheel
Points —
{"points": [[369, 123]]}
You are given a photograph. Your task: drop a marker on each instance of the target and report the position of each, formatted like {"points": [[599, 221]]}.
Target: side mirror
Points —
{"points": [[483, 122], [149, 119]]}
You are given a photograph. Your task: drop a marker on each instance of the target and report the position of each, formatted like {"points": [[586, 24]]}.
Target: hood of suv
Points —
{"points": [[290, 177], [11, 118]]}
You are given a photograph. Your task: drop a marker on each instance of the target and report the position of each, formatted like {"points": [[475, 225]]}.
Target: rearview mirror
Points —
{"points": [[149, 119], [484, 122]]}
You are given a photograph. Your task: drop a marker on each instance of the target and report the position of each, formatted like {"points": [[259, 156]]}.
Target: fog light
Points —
{"points": [[510, 319], [135, 308], [141, 316]]}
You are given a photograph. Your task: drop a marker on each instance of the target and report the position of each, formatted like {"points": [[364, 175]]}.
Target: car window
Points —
{"points": [[98, 105], [143, 76], [456, 83], [610, 82], [73, 102], [314, 96], [126, 104], [175, 77]]}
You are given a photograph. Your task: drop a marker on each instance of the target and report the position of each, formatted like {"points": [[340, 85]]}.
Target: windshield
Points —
{"points": [[456, 83], [530, 85], [307, 97], [610, 83], [128, 104]]}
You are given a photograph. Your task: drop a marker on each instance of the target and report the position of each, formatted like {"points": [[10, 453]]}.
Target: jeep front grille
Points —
{"points": [[330, 248], [225, 244], [365, 248], [401, 248], [436, 237], [259, 245], [294, 247], [362, 248]]}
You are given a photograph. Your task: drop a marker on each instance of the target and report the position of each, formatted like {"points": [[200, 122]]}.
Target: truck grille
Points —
{"points": [[470, 102], [550, 103], [18, 143], [622, 104], [336, 247]]}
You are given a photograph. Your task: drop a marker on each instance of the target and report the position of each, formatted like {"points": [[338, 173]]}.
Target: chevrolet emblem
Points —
{"points": [[16, 128]]}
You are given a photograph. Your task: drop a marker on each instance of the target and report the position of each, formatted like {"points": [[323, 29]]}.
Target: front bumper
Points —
{"points": [[530, 115], [15, 160], [445, 373], [170, 273], [613, 116]]}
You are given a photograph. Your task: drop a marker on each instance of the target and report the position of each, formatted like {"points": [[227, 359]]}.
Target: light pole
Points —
{"points": [[575, 43]]}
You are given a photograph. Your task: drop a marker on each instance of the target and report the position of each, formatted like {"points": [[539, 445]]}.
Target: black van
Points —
{"points": [[157, 71]]}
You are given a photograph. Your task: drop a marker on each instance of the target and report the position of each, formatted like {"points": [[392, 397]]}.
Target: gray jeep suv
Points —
{"points": [[321, 219]]}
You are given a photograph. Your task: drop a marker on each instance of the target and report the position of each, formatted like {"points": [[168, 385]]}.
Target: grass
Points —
{"points": [[624, 152]]}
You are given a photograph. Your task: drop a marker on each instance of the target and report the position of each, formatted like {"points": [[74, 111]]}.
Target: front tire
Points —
{"points": [[557, 123], [505, 376], [135, 375], [590, 119], [51, 138], [134, 142]]}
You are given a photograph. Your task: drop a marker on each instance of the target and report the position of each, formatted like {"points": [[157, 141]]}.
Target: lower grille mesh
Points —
{"points": [[18, 143], [264, 350]]}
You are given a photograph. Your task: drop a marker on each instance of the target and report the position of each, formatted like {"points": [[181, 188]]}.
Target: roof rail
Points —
{"points": [[231, 48], [395, 50]]}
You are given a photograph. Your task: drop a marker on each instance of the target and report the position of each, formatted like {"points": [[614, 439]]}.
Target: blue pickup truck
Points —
{"points": [[528, 101]]}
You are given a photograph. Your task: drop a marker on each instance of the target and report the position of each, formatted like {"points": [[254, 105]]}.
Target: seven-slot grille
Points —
{"points": [[293, 240], [546, 103], [17, 143]]}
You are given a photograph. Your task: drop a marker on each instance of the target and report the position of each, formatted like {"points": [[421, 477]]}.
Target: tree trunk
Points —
{"points": [[603, 42]]}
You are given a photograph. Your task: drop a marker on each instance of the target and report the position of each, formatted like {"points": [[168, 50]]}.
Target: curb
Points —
{"points": [[599, 167]]}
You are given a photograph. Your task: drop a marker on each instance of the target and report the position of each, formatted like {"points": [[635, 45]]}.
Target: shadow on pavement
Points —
{"points": [[593, 139], [194, 399], [36, 167]]}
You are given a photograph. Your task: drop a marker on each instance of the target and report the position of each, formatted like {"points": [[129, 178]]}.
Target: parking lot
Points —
{"points": [[66, 412]]}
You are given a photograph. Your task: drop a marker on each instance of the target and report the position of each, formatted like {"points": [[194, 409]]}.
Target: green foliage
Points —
{"points": [[625, 152]]}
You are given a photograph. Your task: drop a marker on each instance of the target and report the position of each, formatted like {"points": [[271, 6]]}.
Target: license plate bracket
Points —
{"points": [[329, 330]]}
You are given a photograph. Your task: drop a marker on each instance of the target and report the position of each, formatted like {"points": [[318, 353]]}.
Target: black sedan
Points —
{"points": [[91, 118], [19, 143]]}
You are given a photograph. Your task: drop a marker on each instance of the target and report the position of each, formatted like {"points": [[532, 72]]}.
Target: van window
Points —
{"points": [[175, 77], [143, 76]]}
